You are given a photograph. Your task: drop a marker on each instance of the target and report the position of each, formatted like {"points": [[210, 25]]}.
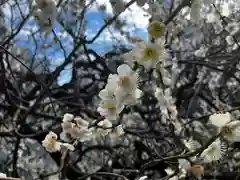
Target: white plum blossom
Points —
{"points": [[147, 54], [109, 107], [50, 142], [214, 152], [220, 119], [232, 28], [76, 128], [68, 117], [67, 121], [196, 5], [105, 123], [119, 130], [229, 39], [121, 89], [184, 164], [201, 52], [108, 92], [46, 13], [170, 172], [167, 103], [230, 130], [67, 146], [52, 145], [127, 78], [104, 127], [127, 92], [115, 135], [191, 144]]}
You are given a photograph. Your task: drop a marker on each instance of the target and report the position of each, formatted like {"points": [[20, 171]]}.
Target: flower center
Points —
{"points": [[226, 130], [74, 123], [124, 81], [52, 142], [156, 29], [149, 54], [110, 106]]}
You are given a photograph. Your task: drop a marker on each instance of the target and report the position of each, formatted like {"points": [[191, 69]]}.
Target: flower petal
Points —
{"points": [[68, 146], [124, 70], [67, 117], [112, 82], [214, 152], [220, 120], [103, 94]]}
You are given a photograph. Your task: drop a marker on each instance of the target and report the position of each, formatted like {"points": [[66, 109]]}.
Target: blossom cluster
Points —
{"points": [[122, 89], [46, 14], [76, 129]]}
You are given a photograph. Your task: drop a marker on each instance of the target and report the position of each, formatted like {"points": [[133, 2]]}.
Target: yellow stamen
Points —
{"points": [[124, 81], [226, 130], [149, 54], [52, 142], [110, 106], [156, 29]]}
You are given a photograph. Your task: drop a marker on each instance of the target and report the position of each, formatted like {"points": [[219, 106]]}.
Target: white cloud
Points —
{"points": [[109, 35], [132, 15]]}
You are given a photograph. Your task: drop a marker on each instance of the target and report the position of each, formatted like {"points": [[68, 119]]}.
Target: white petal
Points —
{"points": [[65, 137], [124, 70], [214, 152], [167, 81], [112, 78], [119, 130], [169, 171], [112, 82], [51, 135], [81, 122], [138, 93], [103, 94], [68, 117], [105, 123], [120, 108], [234, 136], [86, 136], [191, 144], [143, 178], [148, 64], [58, 146], [68, 146], [234, 124], [158, 93], [2, 175], [220, 120], [184, 164]]}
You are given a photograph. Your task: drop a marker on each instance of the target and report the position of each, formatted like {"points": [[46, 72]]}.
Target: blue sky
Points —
{"points": [[136, 25]]}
